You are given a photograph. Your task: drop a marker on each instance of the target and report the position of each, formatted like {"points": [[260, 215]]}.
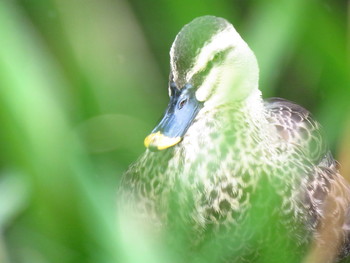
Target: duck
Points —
{"points": [[233, 171]]}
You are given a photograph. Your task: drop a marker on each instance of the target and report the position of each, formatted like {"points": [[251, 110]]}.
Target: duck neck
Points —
{"points": [[236, 116], [237, 127]]}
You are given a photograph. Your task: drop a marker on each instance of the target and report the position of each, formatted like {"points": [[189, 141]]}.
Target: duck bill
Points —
{"points": [[174, 125], [158, 141]]}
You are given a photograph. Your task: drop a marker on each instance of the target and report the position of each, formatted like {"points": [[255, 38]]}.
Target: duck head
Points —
{"points": [[210, 65]]}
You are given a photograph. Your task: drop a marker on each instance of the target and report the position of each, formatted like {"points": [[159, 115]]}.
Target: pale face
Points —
{"points": [[210, 64]]}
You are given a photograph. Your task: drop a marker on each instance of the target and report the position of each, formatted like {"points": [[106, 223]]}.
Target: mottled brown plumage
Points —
{"points": [[238, 155]]}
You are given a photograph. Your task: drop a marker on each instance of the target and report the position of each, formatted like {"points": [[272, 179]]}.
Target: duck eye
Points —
{"points": [[182, 103]]}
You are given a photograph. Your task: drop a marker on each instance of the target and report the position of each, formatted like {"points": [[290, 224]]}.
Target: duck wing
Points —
{"points": [[295, 125], [327, 197]]}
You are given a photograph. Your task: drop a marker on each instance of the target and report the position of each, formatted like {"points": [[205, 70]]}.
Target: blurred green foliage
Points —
{"points": [[82, 83]]}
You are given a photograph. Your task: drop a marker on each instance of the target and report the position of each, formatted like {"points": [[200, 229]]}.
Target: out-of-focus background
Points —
{"points": [[82, 82]]}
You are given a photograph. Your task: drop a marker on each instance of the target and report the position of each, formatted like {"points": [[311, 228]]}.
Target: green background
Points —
{"points": [[82, 82]]}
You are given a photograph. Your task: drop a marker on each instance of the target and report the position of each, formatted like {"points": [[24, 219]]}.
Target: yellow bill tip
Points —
{"points": [[160, 142]]}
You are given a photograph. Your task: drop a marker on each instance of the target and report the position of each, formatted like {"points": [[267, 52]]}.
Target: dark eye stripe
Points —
{"points": [[219, 57], [200, 76]]}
